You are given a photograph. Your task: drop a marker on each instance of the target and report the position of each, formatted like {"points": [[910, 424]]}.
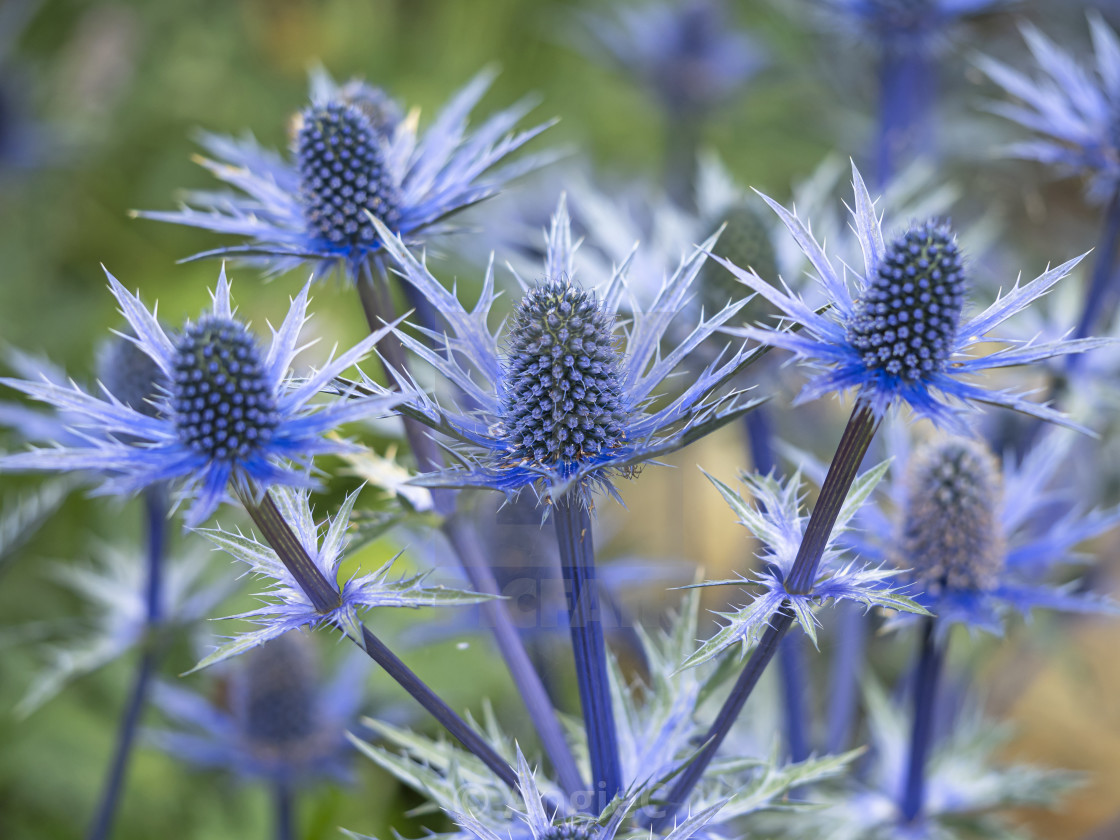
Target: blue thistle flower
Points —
{"points": [[279, 723], [685, 52], [979, 541], [1075, 111], [287, 606], [353, 158], [566, 406], [230, 413], [901, 334]]}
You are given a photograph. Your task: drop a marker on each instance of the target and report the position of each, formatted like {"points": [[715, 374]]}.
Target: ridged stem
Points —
{"points": [[377, 305], [791, 664], [324, 595], [155, 509], [930, 662], [284, 805], [841, 473], [577, 566]]}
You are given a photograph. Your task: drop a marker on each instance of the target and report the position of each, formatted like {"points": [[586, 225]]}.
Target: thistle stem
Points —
{"points": [[377, 305], [851, 636], [319, 590], [284, 802], [926, 678], [155, 508], [791, 665], [906, 97], [1100, 291], [577, 565], [841, 473]]}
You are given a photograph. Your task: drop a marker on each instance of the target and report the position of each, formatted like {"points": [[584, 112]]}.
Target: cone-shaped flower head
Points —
{"points": [[353, 156], [900, 335], [280, 722], [565, 403], [562, 403], [745, 241], [908, 316], [228, 411], [951, 534], [343, 176]]}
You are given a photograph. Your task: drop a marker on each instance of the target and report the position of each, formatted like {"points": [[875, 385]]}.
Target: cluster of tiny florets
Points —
{"points": [[343, 177], [906, 322], [276, 700], [562, 402], [569, 830], [951, 536], [131, 375], [746, 242], [222, 404]]}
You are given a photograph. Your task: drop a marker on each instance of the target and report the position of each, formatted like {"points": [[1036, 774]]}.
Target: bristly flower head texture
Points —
{"points": [[354, 158], [288, 607], [567, 404], [977, 540], [229, 411], [1076, 112], [280, 722], [901, 335]]}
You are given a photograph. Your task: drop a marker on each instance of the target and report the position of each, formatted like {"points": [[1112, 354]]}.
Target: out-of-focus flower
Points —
{"points": [[354, 158], [229, 412], [279, 721]]}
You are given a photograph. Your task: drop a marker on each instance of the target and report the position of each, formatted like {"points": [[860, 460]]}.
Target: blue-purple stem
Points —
{"points": [[847, 663], [284, 802], [464, 542], [907, 93], [155, 510], [791, 665], [325, 597], [930, 662], [841, 473], [1101, 291], [577, 565]]}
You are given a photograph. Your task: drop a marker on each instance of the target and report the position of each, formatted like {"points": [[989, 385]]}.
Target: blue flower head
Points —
{"points": [[280, 721], [977, 540], [905, 25], [684, 51], [567, 405], [229, 411], [1075, 111], [901, 334], [354, 158]]}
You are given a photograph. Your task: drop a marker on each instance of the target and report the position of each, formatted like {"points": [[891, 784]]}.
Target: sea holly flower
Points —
{"points": [[354, 158], [901, 336], [280, 723], [565, 407], [229, 414], [1074, 110], [777, 522], [978, 540], [287, 606]]}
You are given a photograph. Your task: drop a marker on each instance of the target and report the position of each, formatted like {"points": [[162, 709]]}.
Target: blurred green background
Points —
{"points": [[117, 90]]}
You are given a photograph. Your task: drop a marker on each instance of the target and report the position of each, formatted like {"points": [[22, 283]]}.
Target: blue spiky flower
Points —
{"points": [[1074, 110], [978, 540], [901, 334], [228, 413], [354, 158], [568, 404], [279, 720]]}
